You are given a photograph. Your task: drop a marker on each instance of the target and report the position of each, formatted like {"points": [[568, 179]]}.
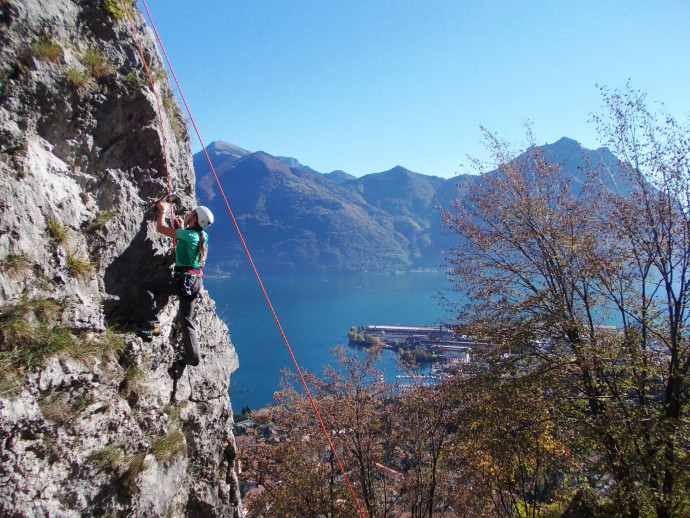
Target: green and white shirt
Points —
{"points": [[187, 249]]}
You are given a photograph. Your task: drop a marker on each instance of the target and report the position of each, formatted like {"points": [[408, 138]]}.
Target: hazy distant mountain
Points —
{"points": [[339, 176], [574, 159], [223, 156], [295, 219], [294, 163], [577, 160], [411, 199]]}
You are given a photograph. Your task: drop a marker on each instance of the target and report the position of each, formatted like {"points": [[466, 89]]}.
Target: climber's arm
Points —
{"points": [[161, 225]]}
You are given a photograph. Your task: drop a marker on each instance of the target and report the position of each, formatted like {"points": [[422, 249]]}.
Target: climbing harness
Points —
{"points": [[241, 237]]}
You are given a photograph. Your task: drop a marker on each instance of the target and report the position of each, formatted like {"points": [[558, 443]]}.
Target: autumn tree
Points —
{"points": [[651, 288], [546, 259], [509, 456], [298, 474], [351, 399], [300, 479], [421, 436]]}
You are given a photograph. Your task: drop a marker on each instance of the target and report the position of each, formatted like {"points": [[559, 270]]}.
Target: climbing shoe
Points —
{"points": [[150, 333]]}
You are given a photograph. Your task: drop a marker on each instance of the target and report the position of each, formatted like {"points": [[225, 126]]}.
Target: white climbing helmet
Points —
{"points": [[203, 216]]}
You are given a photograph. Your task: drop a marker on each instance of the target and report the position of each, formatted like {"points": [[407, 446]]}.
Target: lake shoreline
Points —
{"points": [[315, 311]]}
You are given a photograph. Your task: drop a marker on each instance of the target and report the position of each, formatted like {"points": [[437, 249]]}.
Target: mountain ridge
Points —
{"points": [[298, 220]]}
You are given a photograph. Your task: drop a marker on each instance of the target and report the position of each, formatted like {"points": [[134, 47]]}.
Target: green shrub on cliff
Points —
{"points": [[114, 8]]}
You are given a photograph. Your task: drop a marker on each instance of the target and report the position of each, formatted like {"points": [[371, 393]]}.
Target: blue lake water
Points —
{"points": [[316, 313]]}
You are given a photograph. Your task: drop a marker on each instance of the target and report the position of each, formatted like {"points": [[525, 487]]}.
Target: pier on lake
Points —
{"points": [[438, 339]]}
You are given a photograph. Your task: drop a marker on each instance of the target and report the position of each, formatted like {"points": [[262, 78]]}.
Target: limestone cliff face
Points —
{"points": [[82, 161]]}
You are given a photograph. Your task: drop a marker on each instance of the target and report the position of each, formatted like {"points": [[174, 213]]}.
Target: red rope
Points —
{"points": [[251, 262], [158, 108]]}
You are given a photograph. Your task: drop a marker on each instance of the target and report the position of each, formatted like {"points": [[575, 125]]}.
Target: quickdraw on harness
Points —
{"points": [[239, 233]]}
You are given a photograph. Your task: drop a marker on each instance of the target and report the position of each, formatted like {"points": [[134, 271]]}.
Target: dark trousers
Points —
{"points": [[166, 287]]}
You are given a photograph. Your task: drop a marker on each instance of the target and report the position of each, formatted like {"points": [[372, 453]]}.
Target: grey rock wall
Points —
{"points": [[82, 161]]}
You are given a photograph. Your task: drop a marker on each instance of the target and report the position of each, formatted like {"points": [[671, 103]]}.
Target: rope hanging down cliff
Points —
{"points": [[239, 233], [158, 109]]}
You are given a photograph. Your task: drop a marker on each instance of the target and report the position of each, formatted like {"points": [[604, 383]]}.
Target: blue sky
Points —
{"points": [[364, 86]]}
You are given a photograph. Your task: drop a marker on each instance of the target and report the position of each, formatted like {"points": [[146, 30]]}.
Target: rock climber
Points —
{"points": [[190, 254]]}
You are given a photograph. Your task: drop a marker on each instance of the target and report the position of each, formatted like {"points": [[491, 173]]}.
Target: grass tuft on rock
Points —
{"points": [[81, 80], [95, 63], [107, 457], [31, 331], [29, 334], [100, 220], [57, 230], [177, 121], [80, 265], [46, 49], [169, 446], [15, 265]]}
